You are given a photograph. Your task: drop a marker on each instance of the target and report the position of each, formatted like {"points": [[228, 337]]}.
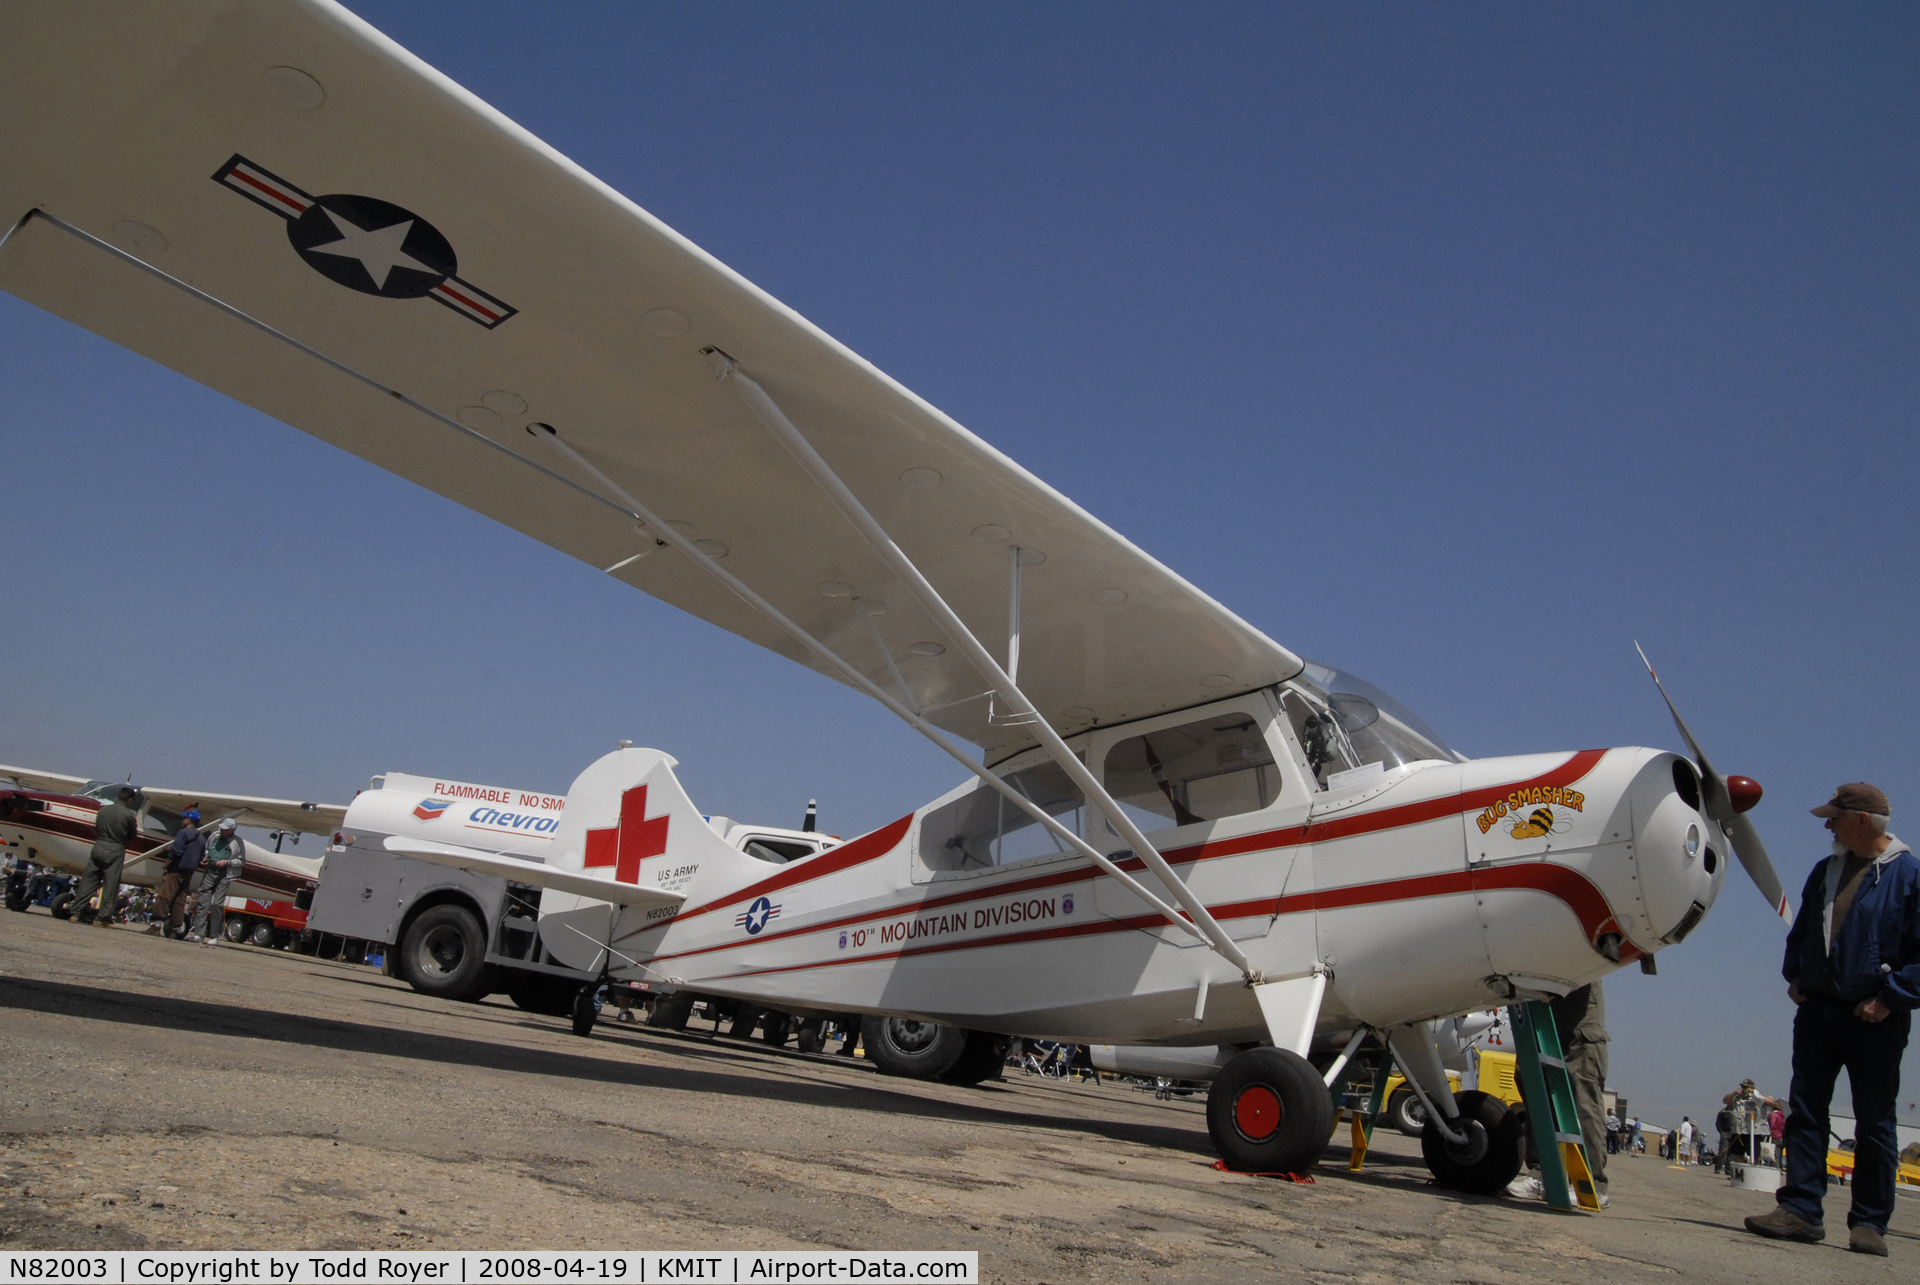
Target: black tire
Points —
{"points": [[542, 993], [443, 953], [1494, 1151], [670, 1012], [775, 1028], [235, 929], [812, 1036], [584, 1013], [262, 935], [745, 1018], [984, 1058], [1406, 1113], [1268, 1111], [17, 899], [916, 1050], [61, 907]]}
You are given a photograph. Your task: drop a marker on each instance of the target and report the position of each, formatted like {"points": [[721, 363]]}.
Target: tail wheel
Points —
{"points": [[775, 1028], [670, 1012], [915, 1049], [584, 1013], [984, 1058], [1407, 1114], [1492, 1154], [813, 1036], [1268, 1111]]}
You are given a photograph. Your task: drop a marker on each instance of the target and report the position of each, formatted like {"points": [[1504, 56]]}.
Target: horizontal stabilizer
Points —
{"points": [[474, 861]]}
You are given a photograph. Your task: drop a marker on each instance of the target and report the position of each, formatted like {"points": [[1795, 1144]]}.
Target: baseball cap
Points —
{"points": [[1856, 796], [229, 824], [192, 814]]}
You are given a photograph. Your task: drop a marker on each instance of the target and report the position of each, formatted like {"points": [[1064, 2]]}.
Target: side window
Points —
{"points": [[778, 851], [1319, 736], [981, 829], [1217, 767]]}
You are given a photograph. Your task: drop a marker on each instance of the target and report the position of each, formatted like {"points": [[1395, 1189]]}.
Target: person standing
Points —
{"points": [[1741, 1119], [226, 859], [1580, 1016], [184, 855], [1683, 1148], [1853, 972], [114, 827]]}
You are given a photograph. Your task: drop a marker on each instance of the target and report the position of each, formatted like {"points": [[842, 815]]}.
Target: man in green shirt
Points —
{"points": [[113, 828]]}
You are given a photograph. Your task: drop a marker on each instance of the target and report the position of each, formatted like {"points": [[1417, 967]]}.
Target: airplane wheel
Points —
{"points": [[62, 906], [745, 1018], [1406, 1113], [813, 1036], [1492, 1154], [17, 898], [670, 1012], [584, 1013], [443, 953], [917, 1050], [1269, 1112], [984, 1058], [775, 1028]]}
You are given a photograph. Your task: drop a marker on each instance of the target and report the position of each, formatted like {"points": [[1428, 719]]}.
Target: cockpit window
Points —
{"points": [[1344, 722]]}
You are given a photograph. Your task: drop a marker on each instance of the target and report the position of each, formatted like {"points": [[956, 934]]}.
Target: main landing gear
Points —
{"points": [[1268, 1111]]}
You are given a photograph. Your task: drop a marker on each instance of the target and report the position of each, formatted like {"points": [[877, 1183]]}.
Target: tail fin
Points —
{"points": [[629, 821]]}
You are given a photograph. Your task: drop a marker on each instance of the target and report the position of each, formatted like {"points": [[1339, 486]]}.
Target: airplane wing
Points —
{"points": [[385, 262], [267, 814], [45, 782], [490, 863]]}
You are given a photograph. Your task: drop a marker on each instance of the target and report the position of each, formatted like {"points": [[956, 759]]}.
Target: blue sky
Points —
{"points": [[1459, 348]]}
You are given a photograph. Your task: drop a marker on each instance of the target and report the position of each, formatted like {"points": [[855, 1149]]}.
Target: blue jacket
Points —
{"points": [[1876, 953], [189, 846]]}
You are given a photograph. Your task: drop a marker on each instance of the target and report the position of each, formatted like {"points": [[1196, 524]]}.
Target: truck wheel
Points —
{"points": [[62, 906], [984, 1059], [775, 1028], [745, 1018], [584, 1013], [542, 993], [917, 1050], [1407, 1114], [443, 953], [1268, 1111], [813, 1036], [262, 934], [235, 929], [1492, 1154], [670, 1012]]}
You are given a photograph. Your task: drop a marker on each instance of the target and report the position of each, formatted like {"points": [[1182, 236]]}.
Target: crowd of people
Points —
{"points": [[199, 872]]}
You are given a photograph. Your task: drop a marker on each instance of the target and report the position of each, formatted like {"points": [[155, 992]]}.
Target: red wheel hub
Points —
{"points": [[1256, 1112]]}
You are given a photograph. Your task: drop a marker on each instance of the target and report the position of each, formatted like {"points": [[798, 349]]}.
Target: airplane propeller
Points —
{"points": [[1728, 800]]}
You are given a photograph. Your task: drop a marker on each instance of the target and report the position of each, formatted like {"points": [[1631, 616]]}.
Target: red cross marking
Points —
{"points": [[626, 845]]}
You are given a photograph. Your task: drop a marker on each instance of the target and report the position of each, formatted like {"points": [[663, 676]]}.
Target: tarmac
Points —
{"points": [[165, 1095]]}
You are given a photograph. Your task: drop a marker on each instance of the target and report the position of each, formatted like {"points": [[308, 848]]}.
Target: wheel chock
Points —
{"points": [[1305, 1179]]}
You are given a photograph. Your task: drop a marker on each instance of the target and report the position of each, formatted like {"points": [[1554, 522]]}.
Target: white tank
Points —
{"points": [[520, 823]]}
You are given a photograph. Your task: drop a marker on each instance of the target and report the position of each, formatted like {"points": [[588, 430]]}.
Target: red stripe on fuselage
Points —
{"points": [[1338, 827], [868, 846]]}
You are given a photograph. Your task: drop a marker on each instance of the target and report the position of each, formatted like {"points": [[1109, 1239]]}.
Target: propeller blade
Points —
{"points": [[1753, 856], [1739, 828]]}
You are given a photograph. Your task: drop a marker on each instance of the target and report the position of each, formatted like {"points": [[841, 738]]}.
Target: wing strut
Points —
{"points": [[1018, 706], [548, 434]]}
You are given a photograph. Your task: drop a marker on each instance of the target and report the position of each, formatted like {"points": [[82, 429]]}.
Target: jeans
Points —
{"points": [[1826, 1037]]}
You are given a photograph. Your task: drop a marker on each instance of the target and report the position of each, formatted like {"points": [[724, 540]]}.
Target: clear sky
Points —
{"points": [[1459, 347]]}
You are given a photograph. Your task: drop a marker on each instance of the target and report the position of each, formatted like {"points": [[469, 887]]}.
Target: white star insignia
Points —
{"points": [[378, 250]]}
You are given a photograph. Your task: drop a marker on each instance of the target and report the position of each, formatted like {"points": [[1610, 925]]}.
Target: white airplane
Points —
{"points": [[1177, 832], [46, 818]]}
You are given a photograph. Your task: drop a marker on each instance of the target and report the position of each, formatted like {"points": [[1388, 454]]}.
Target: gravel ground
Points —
{"points": [[165, 1095]]}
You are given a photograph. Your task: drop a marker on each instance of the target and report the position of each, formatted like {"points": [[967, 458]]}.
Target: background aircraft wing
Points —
{"points": [[45, 782], [267, 814], [451, 280], [477, 862]]}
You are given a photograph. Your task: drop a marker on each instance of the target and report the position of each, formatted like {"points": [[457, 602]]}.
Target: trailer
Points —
{"points": [[463, 936]]}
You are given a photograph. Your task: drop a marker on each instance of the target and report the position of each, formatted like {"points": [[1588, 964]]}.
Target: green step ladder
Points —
{"points": [[1555, 1120]]}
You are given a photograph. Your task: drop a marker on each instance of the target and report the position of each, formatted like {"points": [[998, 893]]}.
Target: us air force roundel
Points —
{"points": [[366, 244]]}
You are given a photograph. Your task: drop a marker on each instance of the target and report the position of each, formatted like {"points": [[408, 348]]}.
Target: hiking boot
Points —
{"points": [[1784, 1224], [1867, 1240]]}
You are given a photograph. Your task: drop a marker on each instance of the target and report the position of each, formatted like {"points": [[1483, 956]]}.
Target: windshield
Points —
{"points": [[1379, 728]]}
